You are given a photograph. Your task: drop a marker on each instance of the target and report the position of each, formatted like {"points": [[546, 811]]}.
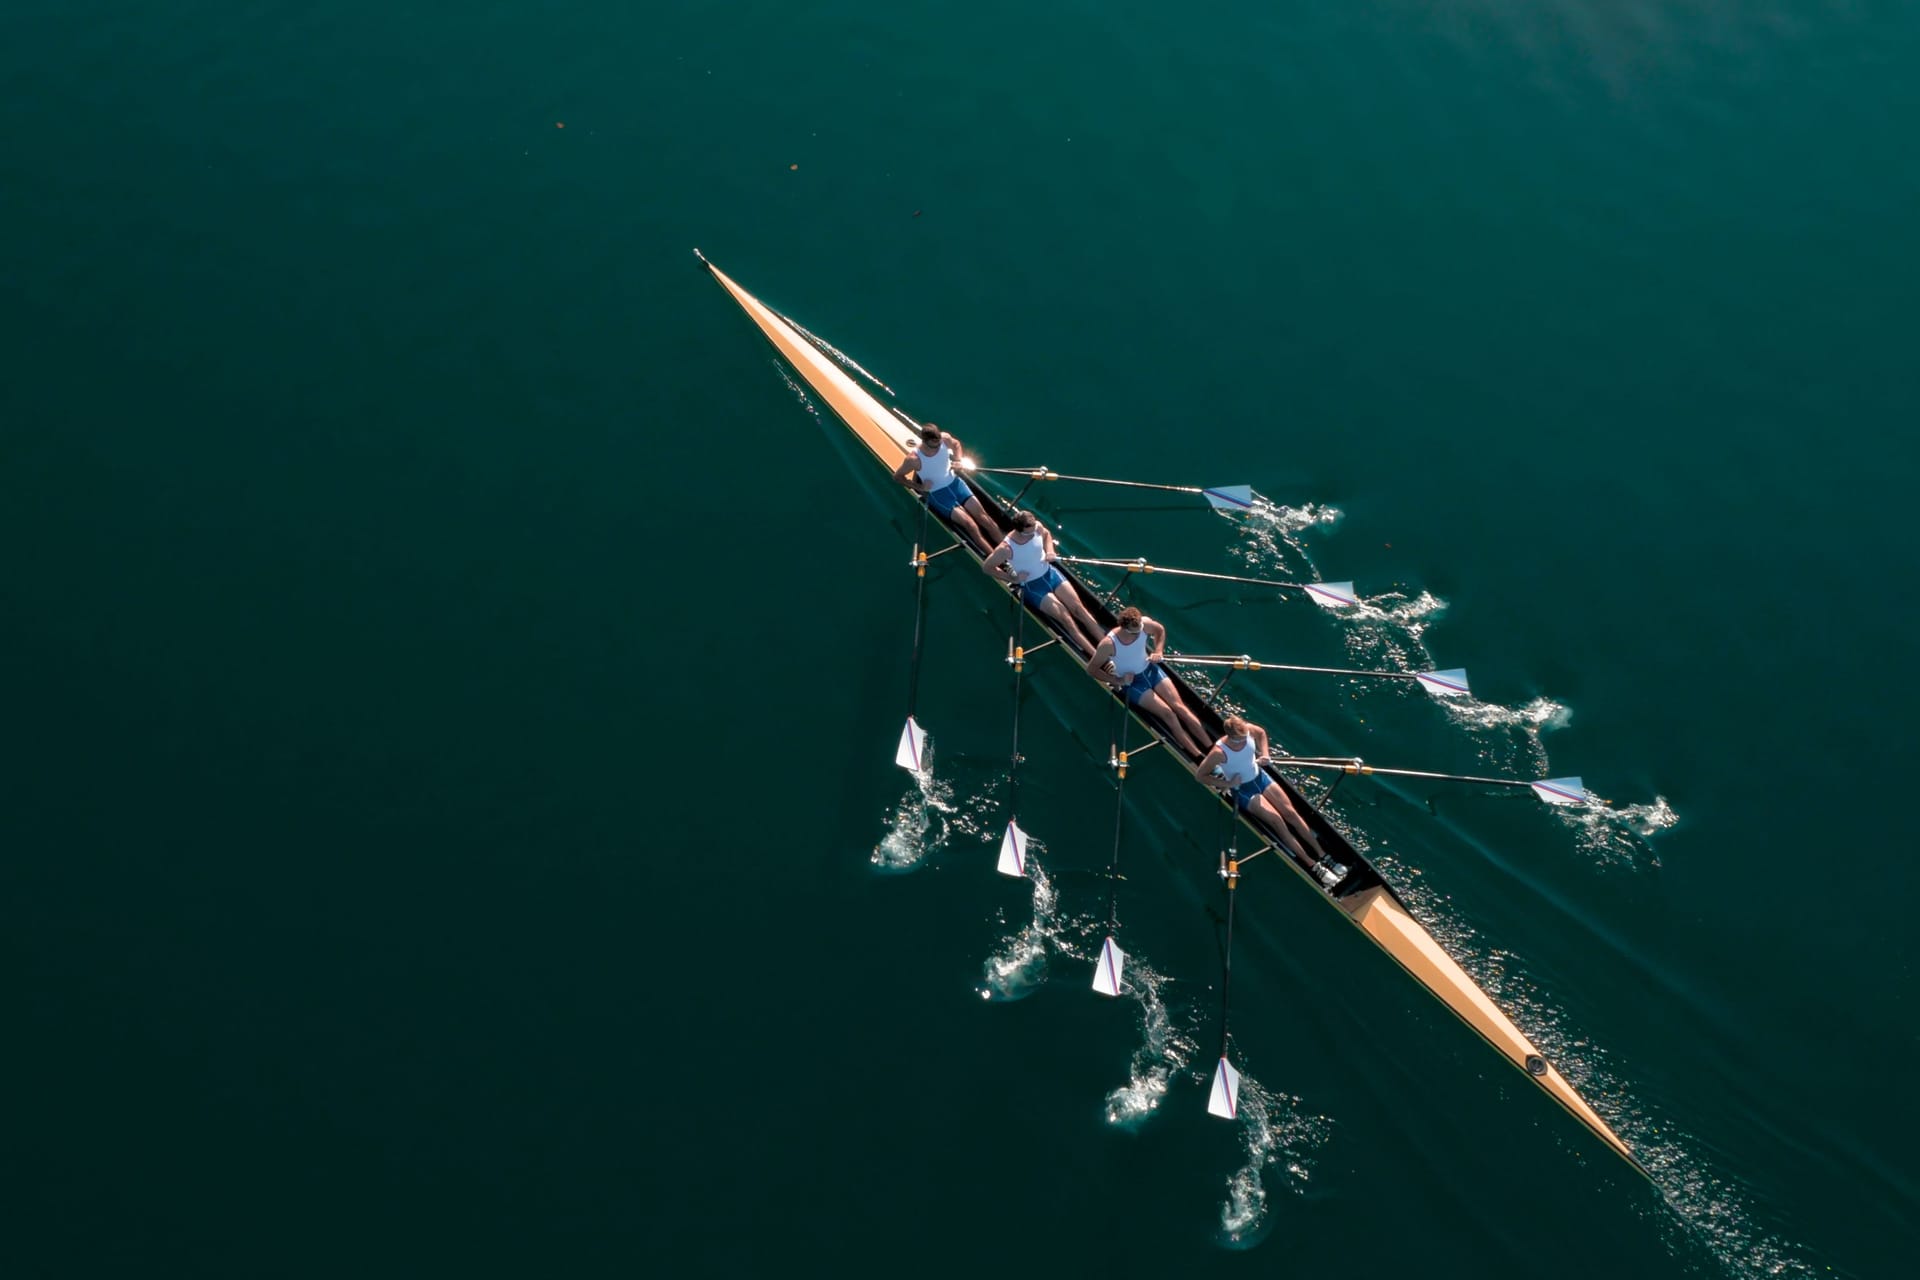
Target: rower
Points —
{"points": [[1022, 558], [936, 461], [1236, 766], [1130, 662]]}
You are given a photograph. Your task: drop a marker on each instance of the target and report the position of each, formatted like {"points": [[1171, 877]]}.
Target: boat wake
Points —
{"points": [[1708, 1211], [1164, 1050], [1018, 967], [919, 825], [1279, 1136]]}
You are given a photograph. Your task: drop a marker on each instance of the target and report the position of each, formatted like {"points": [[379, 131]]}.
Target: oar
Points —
{"points": [[1224, 497], [1013, 845], [1442, 684], [1107, 970], [911, 754], [1551, 790], [1224, 1100], [1330, 595]]}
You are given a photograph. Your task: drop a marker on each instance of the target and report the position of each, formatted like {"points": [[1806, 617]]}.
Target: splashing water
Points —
{"points": [[919, 824], [1276, 1133], [1519, 729], [1164, 1050], [1394, 613], [1279, 521], [1618, 835], [1019, 965]]}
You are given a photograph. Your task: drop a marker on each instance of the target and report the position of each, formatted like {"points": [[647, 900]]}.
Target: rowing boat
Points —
{"points": [[1363, 896]]}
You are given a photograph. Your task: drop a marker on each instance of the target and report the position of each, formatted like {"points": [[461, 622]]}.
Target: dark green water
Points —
{"points": [[453, 678]]}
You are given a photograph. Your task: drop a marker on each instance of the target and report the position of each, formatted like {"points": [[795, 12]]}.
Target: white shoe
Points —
{"points": [[1329, 873]]}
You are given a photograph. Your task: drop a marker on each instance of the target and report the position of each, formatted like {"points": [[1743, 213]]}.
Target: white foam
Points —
{"points": [[919, 824], [1018, 965], [1277, 1135], [1163, 1051]]}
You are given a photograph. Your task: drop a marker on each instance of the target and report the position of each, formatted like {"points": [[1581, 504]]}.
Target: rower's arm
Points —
{"points": [[1262, 749], [1208, 763], [1157, 635], [1102, 655], [959, 453], [1046, 536], [907, 464], [996, 558]]}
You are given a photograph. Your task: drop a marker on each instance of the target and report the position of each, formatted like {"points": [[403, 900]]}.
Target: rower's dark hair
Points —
{"points": [[929, 433], [1128, 617], [1024, 520], [1232, 721]]}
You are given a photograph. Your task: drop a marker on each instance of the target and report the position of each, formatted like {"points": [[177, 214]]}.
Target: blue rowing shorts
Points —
{"points": [[943, 501], [1143, 684], [1250, 790], [1041, 587]]}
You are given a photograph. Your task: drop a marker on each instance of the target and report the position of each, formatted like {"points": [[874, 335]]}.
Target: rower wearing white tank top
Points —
{"points": [[934, 469], [1023, 559], [1237, 766], [1127, 660]]}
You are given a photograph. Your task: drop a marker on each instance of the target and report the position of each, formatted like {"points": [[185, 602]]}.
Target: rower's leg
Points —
{"points": [[1156, 701], [985, 521], [1277, 798], [967, 526], [1269, 817], [1190, 720], [1051, 606], [1082, 615]]}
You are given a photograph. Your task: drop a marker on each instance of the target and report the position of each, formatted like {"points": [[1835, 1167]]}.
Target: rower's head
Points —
{"points": [[1025, 521], [1129, 620], [1236, 727], [929, 436]]}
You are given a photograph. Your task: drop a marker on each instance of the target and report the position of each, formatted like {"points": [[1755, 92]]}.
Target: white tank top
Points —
{"points": [[1239, 766], [1129, 659], [936, 468], [1029, 558]]}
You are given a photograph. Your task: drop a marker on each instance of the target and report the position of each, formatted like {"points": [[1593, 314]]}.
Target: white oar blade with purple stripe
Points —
{"points": [[1332, 595], [1225, 1099], [1013, 851], [911, 755], [1107, 970], [1562, 791], [1444, 684], [1230, 497]]}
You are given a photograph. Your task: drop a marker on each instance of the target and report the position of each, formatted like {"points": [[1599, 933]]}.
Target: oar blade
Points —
{"points": [[911, 754], [1445, 684], [1224, 1101], [1230, 497], [1107, 970], [1332, 595], [1013, 851], [1562, 791]]}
